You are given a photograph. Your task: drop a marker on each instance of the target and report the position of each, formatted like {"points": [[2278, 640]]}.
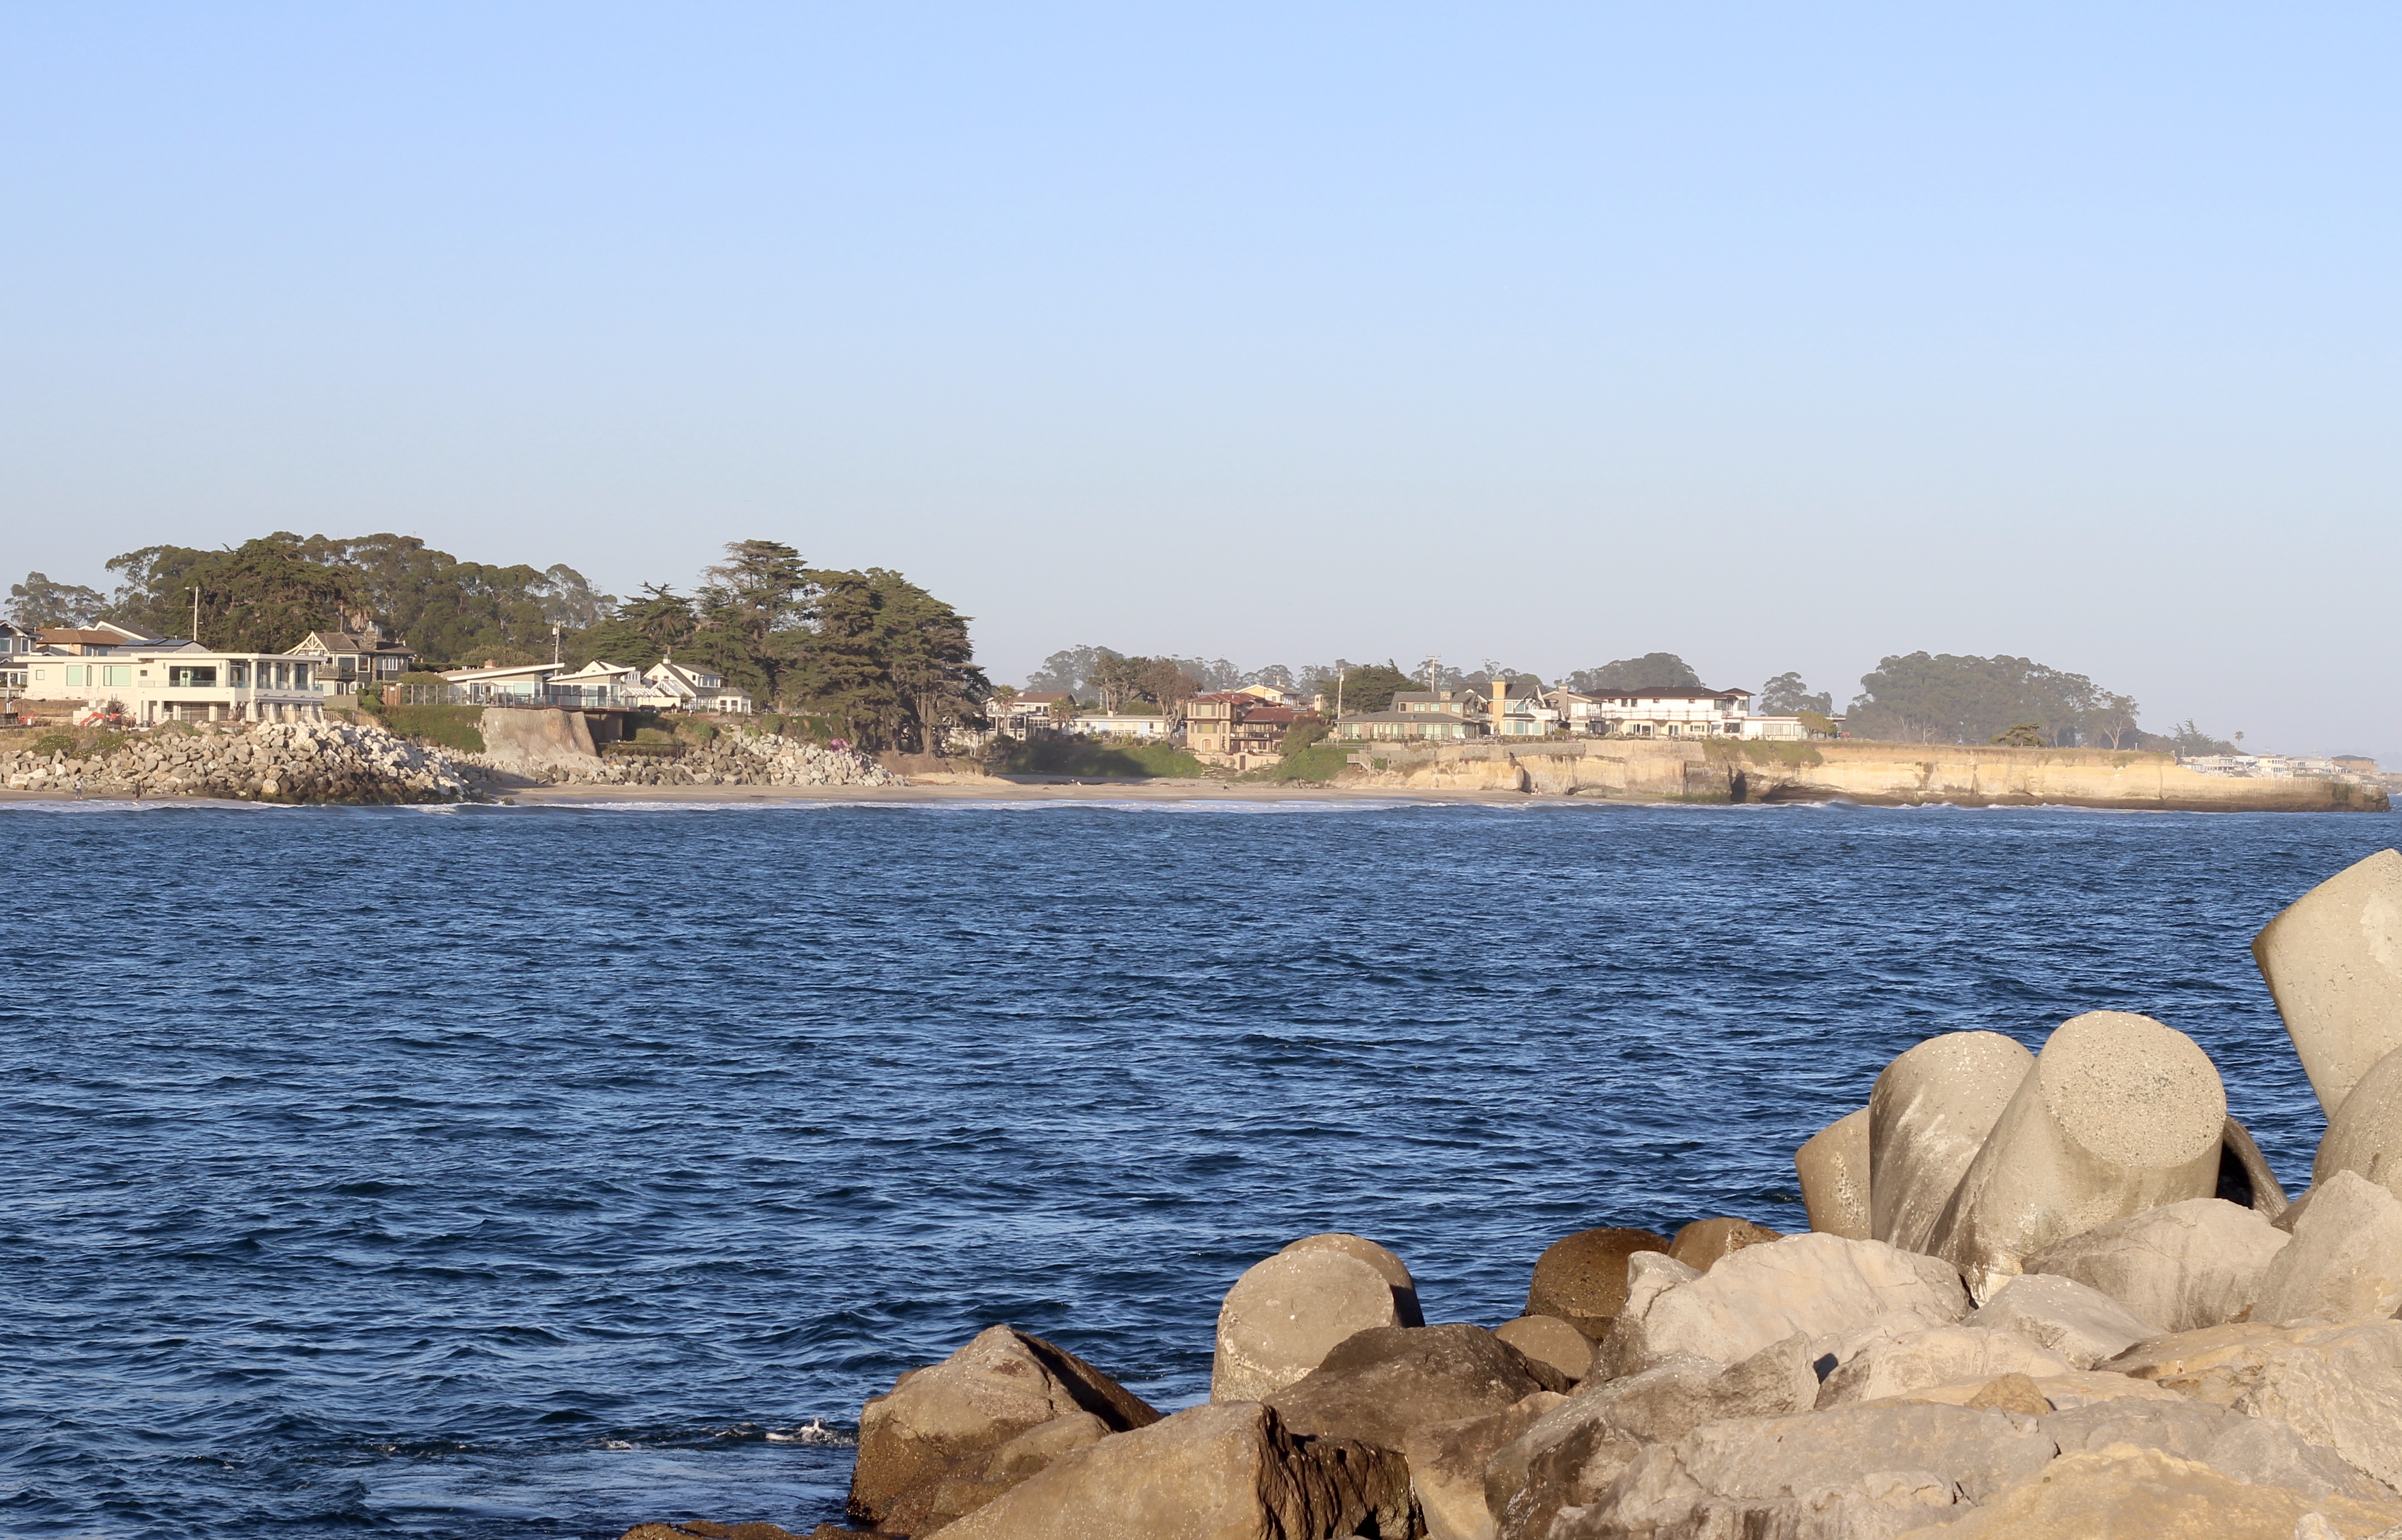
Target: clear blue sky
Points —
{"points": [[1778, 337]]}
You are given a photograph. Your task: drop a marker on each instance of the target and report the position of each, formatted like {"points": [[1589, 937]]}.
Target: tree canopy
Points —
{"points": [[270, 592], [1634, 673], [1787, 695], [38, 605], [1946, 698]]}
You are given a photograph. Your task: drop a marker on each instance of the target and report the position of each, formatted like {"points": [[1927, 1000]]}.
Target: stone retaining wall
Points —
{"points": [[266, 762]]}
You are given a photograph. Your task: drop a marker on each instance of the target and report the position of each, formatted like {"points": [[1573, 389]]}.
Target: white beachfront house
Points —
{"points": [[178, 682], [670, 686], [502, 684], [597, 684], [1670, 710], [1121, 724]]}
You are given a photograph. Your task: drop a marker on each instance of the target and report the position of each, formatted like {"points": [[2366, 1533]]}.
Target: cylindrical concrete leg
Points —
{"points": [[2120, 1114], [1928, 1118], [2365, 1133], [2333, 960], [1833, 1165]]}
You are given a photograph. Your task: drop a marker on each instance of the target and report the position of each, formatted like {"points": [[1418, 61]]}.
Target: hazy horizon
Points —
{"points": [[1778, 341]]}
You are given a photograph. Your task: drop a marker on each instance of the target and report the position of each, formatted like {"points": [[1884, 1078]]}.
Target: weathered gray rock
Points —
{"points": [[1214, 1473], [1935, 1355], [1671, 1399], [1377, 1385], [951, 1437], [2182, 1267], [1928, 1117], [2260, 1449], [1848, 1474], [1569, 1456], [2364, 1134], [2337, 1386], [2344, 1262], [1701, 1244], [1286, 1314], [1581, 1278], [1405, 1288], [1447, 1463], [2128, 1491], [1549, 1339], [2333, 960], [2121, 1114], [2081, 1324], [2245, 1178], [1822, 1286], [1833, 1167]]}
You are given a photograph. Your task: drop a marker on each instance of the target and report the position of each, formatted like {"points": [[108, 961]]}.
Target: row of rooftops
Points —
{"points": [[106, 638]]}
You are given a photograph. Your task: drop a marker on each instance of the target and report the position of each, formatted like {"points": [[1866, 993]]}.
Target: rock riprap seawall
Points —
{"points": [[266, 762], [555, 747], [2087, 1310]]}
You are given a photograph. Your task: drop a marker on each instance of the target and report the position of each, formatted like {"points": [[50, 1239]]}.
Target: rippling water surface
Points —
{"points": [[528, 1172]]}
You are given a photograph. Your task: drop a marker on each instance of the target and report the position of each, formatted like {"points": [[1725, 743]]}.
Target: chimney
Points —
{"points": [[1500, 703]]}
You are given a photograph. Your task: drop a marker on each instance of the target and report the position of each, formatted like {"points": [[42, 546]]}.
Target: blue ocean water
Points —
{"points": [[532, 1172]]}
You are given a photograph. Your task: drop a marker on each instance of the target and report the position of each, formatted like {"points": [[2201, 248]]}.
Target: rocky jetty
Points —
{"points": [[2051, 1295], [731, 757], [264, 762]]}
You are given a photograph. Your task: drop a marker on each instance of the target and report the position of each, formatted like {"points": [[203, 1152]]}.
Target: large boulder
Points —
{"points": [[2333, 960], [1833, 1167], [2079, 1323], [1286, 1314], [2182, 1267], [1447, 1463], [1379, 1384], [2344, 1262], [1928, 1116], [1701, 1244], [2338, 1386], [1849, 1474], [2260, 1449], [1581, 1278], [1935, 1355], [2128, 1491], [1549, 1339], [1214, 1473], [1394, 1272], [951, 1437], [1569, 1456], [2120, 1114], [1824, 1287]]}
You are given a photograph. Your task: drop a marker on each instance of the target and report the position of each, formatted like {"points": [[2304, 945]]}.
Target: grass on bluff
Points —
{"points": [[1086, 756], [1316, 764]]}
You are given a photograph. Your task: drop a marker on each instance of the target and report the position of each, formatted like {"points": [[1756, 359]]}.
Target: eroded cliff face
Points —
{"points": [[1883, 774]]}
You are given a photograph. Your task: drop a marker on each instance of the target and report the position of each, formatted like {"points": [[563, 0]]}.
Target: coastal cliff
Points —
{"points": [[1881, 774]]}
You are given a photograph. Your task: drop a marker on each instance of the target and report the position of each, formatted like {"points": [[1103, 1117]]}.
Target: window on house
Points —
{"points": [[192, 676], [74, 673]]}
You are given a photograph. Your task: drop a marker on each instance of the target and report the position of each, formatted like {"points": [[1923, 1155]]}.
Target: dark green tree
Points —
{"points": [[38, 603], [1365, 688], [1786, 696], [1634, 673]]}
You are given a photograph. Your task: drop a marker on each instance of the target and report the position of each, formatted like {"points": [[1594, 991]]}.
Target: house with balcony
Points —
{"points": [[169, 681], [342, 660], [1241, 729], [1150, 726], [1667, 710], [1435, 716], [1030, 714], [670, 686]]}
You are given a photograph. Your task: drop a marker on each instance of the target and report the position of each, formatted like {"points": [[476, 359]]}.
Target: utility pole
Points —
{"points": [[196, 614], [554, 644]]}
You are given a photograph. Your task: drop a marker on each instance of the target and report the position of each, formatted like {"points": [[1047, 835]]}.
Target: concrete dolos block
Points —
{"points": [[1286, 1314], [1928, 1118], [1833, 1165], [2364, 1134], [1395, 1271], [2333, 960], [2120, 1114]]}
